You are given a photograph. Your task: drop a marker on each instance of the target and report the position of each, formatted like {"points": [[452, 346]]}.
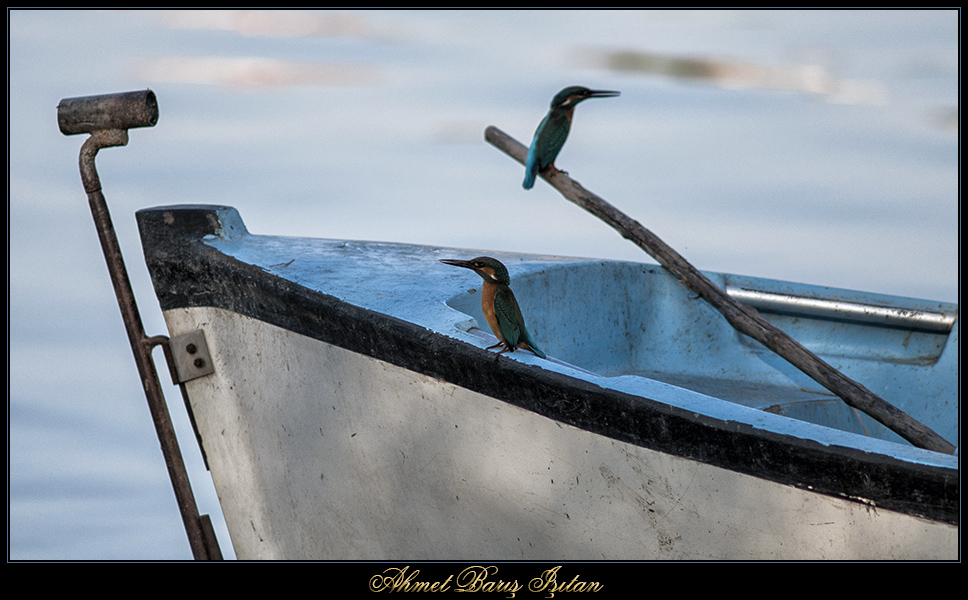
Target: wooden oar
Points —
{"points": [[743, 318]]}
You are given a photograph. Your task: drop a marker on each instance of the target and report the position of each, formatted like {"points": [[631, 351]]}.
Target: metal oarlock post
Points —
{"points": [[107, 119]]}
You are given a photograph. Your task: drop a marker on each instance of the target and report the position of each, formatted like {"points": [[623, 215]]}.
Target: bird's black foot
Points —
{"points": [[503, 348]]}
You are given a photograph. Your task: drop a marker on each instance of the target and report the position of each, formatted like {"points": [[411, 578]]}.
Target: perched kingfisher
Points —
{"points": [[500, 307], [553, 130]]}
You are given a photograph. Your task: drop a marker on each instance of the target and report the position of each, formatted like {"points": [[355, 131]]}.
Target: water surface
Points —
{"points": [[819, 147]]}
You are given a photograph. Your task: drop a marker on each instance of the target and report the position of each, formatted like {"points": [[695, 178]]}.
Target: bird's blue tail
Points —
{"points": [[529, 175], [531, 165], [534, 347]]}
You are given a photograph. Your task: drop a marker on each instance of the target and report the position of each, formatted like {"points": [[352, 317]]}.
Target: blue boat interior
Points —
{"points": [[643, 322]]}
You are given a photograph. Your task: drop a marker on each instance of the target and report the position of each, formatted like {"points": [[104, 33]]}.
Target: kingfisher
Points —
{"points": [[553, 130], [499, 305]]}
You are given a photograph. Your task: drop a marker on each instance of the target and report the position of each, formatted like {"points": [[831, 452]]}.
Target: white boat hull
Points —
{"points": [[318, 452]]}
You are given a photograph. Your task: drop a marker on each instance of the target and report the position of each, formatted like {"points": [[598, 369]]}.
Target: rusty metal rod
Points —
{"points": [[107, 118], [745, 319]]}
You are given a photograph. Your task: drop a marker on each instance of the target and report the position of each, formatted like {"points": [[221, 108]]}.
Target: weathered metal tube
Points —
{"points": [[125, 110], [887, 316]]}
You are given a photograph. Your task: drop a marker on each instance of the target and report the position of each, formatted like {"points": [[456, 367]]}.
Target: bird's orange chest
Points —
{"points": [[487, 305]]}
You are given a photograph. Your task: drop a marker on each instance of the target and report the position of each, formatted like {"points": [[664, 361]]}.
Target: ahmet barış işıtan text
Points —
{"points": [[478, 579]]}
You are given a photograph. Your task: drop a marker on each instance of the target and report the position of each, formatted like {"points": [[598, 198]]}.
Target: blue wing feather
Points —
{"points": [[547, 143], [511, 321]]}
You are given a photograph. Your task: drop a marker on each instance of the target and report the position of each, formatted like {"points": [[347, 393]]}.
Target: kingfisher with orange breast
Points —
{"points": [[499, 305], [553, 130]]}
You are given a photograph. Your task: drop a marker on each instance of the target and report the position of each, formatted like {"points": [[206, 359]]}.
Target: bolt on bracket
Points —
{"points": [[190, 356]]}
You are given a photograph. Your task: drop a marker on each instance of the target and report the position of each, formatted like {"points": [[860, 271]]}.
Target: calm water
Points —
{"points": [[819, 147]]}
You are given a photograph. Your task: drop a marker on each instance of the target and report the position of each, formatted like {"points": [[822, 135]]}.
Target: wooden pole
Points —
{"points": [[743, 318]]}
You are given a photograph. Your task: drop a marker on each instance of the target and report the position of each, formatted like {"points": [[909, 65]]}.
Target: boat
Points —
{"points": [[348, 408]]}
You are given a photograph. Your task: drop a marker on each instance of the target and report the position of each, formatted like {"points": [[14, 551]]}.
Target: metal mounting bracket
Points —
{"points": [[191, 356]]}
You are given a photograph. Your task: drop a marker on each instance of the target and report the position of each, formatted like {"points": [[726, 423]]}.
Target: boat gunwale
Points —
{"points": [[187, 273]]}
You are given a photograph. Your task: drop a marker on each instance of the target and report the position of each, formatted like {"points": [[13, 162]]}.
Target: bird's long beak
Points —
{"points": [[603, 94], [458, 263]]}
